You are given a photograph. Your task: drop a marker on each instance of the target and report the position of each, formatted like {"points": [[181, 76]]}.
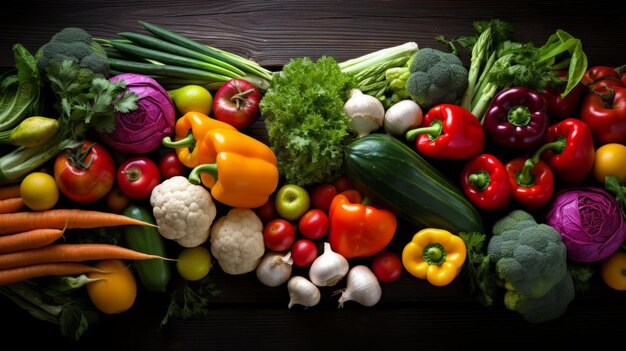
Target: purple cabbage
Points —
{"points": [[140, 131], [590, 222]]}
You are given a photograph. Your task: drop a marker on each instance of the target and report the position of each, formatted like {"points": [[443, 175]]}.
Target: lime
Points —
{"points": [[194, 263], [192, 98]]}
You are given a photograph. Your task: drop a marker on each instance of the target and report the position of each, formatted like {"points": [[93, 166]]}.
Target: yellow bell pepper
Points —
{"points": [[190, 131], [435, 255], [245, 171]]}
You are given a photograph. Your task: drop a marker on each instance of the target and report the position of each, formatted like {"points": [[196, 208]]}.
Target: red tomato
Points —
{"points": [[303, 252], [237, 103], [322, 195], [343, 183], [116, 200], [387, 266], [353, 195], [137, 176], [279, 234], [85, 174], [267, 212], [313, 224], [170, 166], [597, 77]]}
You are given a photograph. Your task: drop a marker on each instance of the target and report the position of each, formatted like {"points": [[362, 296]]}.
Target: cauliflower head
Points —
{"points": [[183, 211], [237, 241]]}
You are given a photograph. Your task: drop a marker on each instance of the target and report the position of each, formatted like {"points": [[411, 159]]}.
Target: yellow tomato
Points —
{"points": [[613, 270], [194, 263], [117, 290], [610, 160], [39, 191]]}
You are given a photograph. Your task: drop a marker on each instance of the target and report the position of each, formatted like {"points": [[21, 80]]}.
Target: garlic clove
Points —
{"points": [[328, 268], [274, 269], [402, 116], [362, 287], [302, 292], [366, 113]]}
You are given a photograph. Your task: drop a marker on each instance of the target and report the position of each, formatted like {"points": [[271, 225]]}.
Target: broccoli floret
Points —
{"points": [[436, 77], [75, 44], [531, 262]]}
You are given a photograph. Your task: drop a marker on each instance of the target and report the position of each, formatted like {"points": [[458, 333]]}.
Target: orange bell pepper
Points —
{"points": [[189, 132], [435, 255], [357, 230], [244, 172]]}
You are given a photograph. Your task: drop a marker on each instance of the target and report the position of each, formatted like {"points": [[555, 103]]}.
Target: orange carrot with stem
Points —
{"points": [[16, 275], [71, 253], [9, 191], [12, 204], [59, 218], [31, 239]]}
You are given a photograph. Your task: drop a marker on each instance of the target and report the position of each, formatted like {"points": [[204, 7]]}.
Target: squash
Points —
{"points": [[395, 177]]}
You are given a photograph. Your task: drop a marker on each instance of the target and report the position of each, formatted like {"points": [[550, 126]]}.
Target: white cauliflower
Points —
{"points": [[183, 211], [237, 241]]}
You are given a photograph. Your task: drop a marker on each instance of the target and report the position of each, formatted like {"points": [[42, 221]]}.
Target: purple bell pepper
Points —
{"points": [[517, 118]]}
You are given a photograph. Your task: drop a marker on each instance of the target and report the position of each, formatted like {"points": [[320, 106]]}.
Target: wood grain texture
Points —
{"points": [[248, 315]]}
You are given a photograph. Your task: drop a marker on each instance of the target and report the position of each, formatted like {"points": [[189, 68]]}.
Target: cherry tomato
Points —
{"points": [[237, 103], [86, 173], [39, 191], [343, 183], [116, 200], [170, 166], [194, 263], [313, 224], [387, 266], [353, 195], [322, 195], [267, 212], [137, 176], [279, 234], [303, 252]]}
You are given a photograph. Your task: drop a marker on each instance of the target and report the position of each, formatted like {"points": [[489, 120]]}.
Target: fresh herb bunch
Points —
{"points": [[307, 127], [190, 300]]}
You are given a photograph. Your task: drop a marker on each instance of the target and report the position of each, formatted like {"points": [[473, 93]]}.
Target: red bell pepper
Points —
{"points": [[358, 230], [450, 132], [485, 182], [517, 118], [605, 114], [562, 107], [531, 180], [569, 150]]}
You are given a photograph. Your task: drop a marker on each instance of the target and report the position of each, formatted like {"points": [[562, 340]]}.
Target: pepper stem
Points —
{"points": [[479, 180], [519, 116], [433, 130], [188, 141], [434, 254], [194, 175], [526, 177], [558, 145]]}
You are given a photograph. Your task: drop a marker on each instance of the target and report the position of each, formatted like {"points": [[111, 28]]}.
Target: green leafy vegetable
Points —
{"points": [[190, 300], [307, 127], [482, 281]]}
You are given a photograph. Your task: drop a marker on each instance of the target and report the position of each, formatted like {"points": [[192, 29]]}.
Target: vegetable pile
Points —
{"points": [[130, 164]]}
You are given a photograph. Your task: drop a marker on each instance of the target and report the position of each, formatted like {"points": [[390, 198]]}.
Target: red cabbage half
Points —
{"points": [[140, 131], [590, 222]]}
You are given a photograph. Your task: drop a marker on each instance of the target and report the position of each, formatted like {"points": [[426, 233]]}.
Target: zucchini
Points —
{"points": [[394, 176], [153, 274]]}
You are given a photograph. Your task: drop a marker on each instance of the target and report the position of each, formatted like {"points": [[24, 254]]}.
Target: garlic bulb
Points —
{"points": [[362, 287], [402, 116], [274, 268], [328, 268], [366, 113], [302, 292]]}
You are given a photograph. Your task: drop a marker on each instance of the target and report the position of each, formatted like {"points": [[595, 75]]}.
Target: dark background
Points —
{"points": [[248, 315]]}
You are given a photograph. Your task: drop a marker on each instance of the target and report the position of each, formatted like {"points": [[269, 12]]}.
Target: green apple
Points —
{"points": [[292, 201]]}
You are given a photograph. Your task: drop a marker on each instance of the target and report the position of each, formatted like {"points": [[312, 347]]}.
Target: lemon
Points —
{"points": [[192, 98]]}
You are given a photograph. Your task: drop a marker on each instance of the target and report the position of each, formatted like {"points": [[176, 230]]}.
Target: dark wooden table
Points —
{"points": [[248, 315]]}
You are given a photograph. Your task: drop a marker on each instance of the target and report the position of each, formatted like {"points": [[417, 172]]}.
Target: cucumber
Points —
{"points": [[395, 177], [153, 274]]}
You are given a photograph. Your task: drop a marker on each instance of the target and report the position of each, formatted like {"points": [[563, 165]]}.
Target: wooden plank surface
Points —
{"points": [[250, 316]]}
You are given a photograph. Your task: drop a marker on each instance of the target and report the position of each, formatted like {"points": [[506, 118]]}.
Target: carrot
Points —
{"points": [[58, 218], [31, 239], [71, 253], [16, 275], [12, 204], [9, 191]]}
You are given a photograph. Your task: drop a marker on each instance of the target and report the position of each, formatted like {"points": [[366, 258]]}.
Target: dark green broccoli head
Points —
{"points": [[550, 305], [74, 44], [436, 77]]}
